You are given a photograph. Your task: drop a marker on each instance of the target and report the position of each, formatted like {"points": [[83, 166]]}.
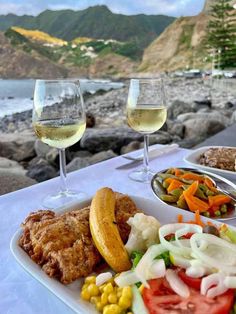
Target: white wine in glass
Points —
{"points": [[146, 113], [59, 120]]}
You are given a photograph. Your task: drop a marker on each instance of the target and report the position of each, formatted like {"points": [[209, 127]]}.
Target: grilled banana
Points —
{"points": [[104, 230]]}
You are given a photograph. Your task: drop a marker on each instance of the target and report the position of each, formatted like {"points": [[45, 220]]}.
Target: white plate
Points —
{"points": [[70, 294], [193, 159]]}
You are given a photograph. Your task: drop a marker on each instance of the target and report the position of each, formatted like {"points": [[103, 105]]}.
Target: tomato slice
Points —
{"points": [[194, 283], [161, 299]]}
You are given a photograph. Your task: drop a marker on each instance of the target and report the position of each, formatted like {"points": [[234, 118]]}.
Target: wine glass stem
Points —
{"points": [[145, 153], [62, 158]]}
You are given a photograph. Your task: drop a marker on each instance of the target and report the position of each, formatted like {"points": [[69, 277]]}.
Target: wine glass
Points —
{"points": [[59, 120], [146, 113]]}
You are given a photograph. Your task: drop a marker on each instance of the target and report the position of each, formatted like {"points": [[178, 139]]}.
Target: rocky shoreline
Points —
{"points": [[196, 111]]}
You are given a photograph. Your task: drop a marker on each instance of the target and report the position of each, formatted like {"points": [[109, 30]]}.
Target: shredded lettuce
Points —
{"points": [[135, 258], [166, 257]]}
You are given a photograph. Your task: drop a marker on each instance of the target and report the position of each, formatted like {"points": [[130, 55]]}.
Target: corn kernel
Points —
{"points": [[124, 302], [104, 298], [93, 290], [85, 295], [101, 288], [112, 298], [90, 279], [112, 309], [99, 306], [85, 286], [127, 292], [95, 300], [109, 288]]}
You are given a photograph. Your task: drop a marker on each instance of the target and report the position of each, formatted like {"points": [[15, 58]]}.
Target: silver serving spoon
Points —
{"points": [[223, 185]]}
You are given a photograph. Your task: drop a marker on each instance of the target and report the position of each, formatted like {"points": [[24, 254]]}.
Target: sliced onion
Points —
{"points": [[190, 228], [179, 260], [230, 282], [177, 285], [218, 254], [126, 278], [179, 246], [142, 270], [198, 269], [157, 269], [102, 278], [216, 281]]}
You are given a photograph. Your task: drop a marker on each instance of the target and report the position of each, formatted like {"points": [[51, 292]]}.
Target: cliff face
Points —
{"points": [[15, 63], [178, 47]]}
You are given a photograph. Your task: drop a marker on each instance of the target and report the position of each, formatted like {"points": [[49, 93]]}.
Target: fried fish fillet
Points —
{"points": [[63, 244]]}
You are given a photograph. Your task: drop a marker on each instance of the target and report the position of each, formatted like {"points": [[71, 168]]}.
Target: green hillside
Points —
{"points": [[94, 22]]}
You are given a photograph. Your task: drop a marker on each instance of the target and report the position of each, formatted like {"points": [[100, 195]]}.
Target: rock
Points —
{"points": [[90, 120], [130, 147], [189, 143], [206, 101], [81, 154], [10, 182], [101, 156], [40, 170], [233, 118], [11, 166], [41, 148], [178, 107], [17, 146], [160, 137], [52, 157], [96, 140], [77, 163], [213, 115], [202, 128], [175, 128]]}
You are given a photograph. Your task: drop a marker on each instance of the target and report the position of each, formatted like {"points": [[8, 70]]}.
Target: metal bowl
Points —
{"points": [[223, 185]]}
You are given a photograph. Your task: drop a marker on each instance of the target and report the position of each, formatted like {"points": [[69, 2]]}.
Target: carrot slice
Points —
{"points": [[180, 218], [175, 184], [192, 176], [195, 203], [178, 172], [192, 189], [198, 219], [218, 200]]}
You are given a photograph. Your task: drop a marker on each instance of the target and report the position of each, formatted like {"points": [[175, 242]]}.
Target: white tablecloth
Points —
{"points": [[19, 292]]}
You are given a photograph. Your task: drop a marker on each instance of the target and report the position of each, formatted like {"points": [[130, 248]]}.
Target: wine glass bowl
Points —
{"points": [[59, 120], [146, 113]]}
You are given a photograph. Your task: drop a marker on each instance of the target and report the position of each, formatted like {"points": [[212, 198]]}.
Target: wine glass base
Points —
{"points": [[63, 198], [142, 175]]}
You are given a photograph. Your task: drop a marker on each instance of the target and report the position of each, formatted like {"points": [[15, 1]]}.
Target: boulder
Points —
{"points": [[97, 140], [175, 128], [11, 166], [40, 170], [213, 115], [77, 163], [101, 156], [202, 128], [90, 120], [17, 146], [160, 137], [178, 107], [41, 148], [130, 147], [10, 182]]}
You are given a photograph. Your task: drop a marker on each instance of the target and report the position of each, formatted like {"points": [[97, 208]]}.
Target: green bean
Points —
{"points": [[217, 213], [199, 193], [209, 193], [203, 187], [177, 192], [206, 214], [165, 184], [169, 198], [181, 203], [166, 175], [223, 208]]}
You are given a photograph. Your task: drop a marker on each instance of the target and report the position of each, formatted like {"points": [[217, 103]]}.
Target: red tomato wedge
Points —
{"points": [[194, 283], [161, 299]]}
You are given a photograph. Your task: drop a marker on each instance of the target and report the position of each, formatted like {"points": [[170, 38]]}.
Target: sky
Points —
{"points": [[168, 7]]}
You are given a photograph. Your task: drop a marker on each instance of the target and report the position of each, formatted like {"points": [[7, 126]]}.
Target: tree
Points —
{"points": [[221, 37]]}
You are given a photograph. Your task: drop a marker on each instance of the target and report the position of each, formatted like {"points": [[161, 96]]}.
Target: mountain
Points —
{"points": [[17, 63], [95, 22], [180, 46]]}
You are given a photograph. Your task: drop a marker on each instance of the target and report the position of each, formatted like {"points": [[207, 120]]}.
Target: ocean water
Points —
{"points": [[17, 95]]}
